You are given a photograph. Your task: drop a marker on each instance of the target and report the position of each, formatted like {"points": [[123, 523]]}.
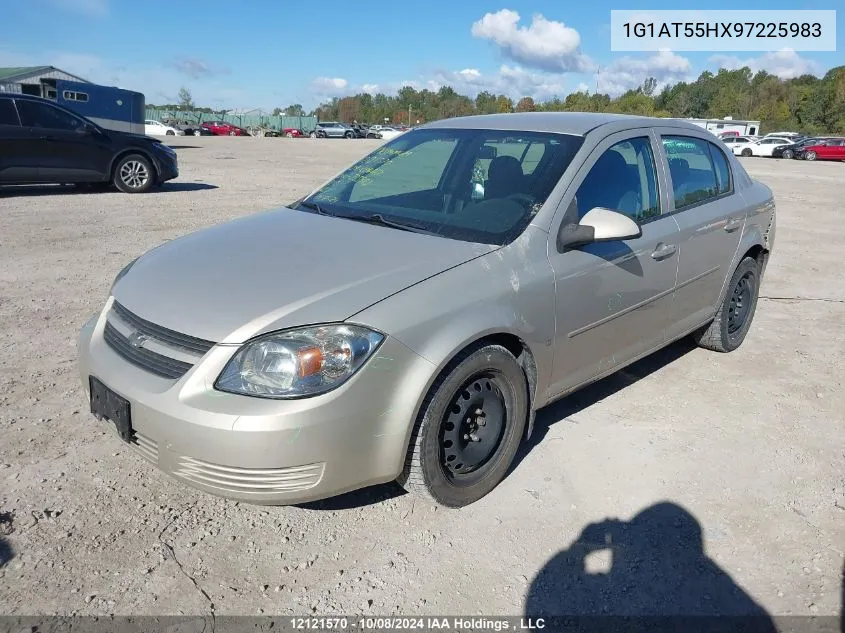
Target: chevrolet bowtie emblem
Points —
{"points": [[136, 339]]}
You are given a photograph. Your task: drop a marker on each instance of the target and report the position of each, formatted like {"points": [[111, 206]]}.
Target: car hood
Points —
{"points": [[280, 269]]}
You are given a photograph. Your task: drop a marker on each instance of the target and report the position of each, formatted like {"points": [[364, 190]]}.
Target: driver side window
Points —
{"points": [[622, 179]]}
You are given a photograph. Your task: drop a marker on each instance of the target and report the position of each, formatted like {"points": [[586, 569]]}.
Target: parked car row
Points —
{"points": [[335, 129], [788, 145]]}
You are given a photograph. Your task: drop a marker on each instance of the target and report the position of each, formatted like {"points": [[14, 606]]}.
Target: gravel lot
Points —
{"points": [[736, 461]]}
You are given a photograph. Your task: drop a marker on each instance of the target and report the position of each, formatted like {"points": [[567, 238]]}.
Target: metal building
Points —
{"points": [[34, 80]]}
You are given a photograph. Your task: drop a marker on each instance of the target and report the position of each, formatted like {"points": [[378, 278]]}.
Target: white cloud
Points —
{"points": [[628, 73], [325, 87], [545, 44], [786, 64], [582, 87], [512, 81]]}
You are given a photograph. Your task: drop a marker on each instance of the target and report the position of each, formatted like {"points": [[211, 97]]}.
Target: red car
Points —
{"points": [[221, 128], [832, 149]]}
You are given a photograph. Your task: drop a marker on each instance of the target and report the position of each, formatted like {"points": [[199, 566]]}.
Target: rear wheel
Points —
{"points": [[469, 428], [288, 134], [134, 174], [788, 153], [733, 320], [197, 133], [746, 152], [170, 133]]}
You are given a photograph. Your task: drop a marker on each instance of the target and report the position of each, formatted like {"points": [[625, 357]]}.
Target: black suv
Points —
{"points": [[43, 142]]}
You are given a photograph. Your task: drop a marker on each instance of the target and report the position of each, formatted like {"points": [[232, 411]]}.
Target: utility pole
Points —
{"points": [[409, 116]]}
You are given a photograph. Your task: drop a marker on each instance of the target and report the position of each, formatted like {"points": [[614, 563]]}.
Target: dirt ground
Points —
{"points": [[723, 474]]}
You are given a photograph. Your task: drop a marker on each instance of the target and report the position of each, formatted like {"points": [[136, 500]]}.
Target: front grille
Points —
{"points": [[175, 339], [144, 358], [151, 347], [249, 480]]}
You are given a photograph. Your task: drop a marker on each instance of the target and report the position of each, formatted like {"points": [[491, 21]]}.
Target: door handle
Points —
{"points": [[732, 225], [663, 251]]}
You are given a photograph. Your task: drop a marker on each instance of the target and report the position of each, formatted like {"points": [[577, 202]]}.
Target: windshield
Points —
{"points": [[472, 185]]}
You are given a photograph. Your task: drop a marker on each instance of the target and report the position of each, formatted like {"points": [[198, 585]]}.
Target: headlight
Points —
{"points": [[296, 363], [123, 271]]}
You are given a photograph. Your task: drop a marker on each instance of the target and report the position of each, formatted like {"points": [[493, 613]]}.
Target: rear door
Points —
{"points": [[711, 216], [65, 151], [17, 150]]}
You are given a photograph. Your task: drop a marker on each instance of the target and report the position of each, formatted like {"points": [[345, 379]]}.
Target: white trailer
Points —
{"points": [[728, 124]]}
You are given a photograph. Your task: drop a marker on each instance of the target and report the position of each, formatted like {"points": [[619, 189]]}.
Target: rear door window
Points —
{"points": [[41, 115], [694, 177]]}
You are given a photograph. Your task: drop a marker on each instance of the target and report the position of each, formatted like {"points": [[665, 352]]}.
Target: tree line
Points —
{"points": [[810, 104]]}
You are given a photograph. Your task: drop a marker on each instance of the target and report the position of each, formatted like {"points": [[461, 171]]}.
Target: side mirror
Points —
{"points": [[597, 225], [86, 129]]}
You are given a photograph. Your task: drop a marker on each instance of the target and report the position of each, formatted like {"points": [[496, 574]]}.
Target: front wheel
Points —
{"points": [[733, 320], [746, 152], [134, 174], [197, 133], [787, 153], [170, 133], [468, 429], [810, 156]]}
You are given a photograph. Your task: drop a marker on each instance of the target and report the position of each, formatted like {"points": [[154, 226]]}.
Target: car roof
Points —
{"points": [[579, 123]]}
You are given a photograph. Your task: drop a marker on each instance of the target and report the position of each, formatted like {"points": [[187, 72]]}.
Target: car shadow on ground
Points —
{"points": [[652, 571], [58, 190], [6, 551], [573, 404], [184, 146]]}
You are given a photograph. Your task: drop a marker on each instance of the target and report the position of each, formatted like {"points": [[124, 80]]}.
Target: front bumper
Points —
{"points": [[265, 451], [167, 166]]}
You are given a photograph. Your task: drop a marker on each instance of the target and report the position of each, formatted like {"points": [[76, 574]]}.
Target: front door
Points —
{"points": [[711, 217], [612, 299], [66, 152]]}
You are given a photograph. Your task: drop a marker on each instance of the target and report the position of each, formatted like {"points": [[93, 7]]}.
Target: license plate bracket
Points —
{"points": [[111, 407]]}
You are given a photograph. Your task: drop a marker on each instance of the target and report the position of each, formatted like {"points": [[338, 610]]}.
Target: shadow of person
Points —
{"points": [[651, 569]]}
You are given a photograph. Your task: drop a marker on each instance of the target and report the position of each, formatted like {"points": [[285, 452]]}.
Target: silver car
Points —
{"points": [[407, 319]]}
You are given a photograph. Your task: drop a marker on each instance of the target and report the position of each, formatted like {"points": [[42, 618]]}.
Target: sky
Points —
{"points": [[266, 54]]}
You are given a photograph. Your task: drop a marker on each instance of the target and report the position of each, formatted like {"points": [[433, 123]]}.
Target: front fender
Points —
{"points": [[509, 291]]}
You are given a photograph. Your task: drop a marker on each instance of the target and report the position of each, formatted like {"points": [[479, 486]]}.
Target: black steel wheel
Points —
{"points": [[728, 329], [469, 428]]}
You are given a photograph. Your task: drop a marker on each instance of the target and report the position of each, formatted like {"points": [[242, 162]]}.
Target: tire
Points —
{"points": [[746, 152], [288, 134], [788, 153], [810, 156], [727, 331], [134, 173], [487, 379], [313, 135], [170, 133], [349, 135], [197, 133]]}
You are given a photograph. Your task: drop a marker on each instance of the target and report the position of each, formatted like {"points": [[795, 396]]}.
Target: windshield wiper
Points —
{"points": [[314, 207], [378, 218]]}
